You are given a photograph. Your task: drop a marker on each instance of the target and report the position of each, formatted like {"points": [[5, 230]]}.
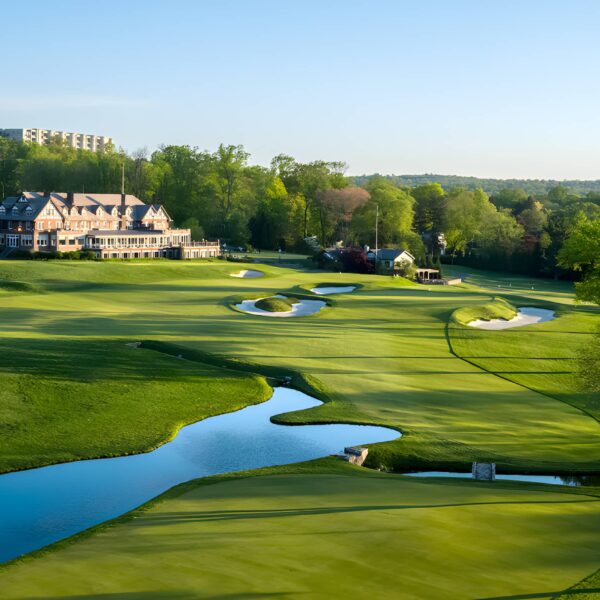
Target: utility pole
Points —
{"points": [[376, 233]]}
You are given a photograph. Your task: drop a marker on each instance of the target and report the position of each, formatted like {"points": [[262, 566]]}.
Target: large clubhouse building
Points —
{"points": [[109, 225]]}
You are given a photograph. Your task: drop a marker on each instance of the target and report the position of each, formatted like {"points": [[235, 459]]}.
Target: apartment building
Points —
{"points": [[83, 141], [110, 225]]}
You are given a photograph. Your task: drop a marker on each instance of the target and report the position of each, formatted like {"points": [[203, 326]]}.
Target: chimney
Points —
{"points": [[123, 199], [70, 197]]}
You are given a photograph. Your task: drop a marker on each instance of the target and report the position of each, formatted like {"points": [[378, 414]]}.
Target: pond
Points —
{"points": [[44, 505], [573, 480]]}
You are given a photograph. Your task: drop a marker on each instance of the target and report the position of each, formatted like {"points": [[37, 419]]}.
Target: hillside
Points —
{"points": [[491, 186]]}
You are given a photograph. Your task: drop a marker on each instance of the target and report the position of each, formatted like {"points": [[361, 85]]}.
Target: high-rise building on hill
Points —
{"points": [[83, 141]]}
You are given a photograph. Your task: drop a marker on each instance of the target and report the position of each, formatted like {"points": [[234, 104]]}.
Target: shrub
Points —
{"points": [[355, 261]]}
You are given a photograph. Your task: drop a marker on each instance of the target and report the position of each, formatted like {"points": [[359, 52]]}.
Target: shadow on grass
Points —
{"points": [[540, 595], [234, 515], [168, 595]]}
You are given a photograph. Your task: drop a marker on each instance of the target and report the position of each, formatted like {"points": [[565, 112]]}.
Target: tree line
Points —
{"points": [[222, 195]]}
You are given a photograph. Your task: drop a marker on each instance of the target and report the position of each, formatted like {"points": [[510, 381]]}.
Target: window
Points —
{"points": [[40, 225], [2, 210]]}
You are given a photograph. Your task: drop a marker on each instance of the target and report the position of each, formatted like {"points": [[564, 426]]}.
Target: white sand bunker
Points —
{"points": [[247, 273], [302, 308], [525, 316], [325, 291]]}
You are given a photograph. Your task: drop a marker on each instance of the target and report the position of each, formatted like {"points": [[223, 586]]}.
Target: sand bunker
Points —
{"points": [[302, 308], [247, 273], [325, 291], [525, 316]]}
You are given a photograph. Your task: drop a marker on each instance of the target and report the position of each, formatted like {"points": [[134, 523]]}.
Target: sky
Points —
{"points": [[489, 88]]}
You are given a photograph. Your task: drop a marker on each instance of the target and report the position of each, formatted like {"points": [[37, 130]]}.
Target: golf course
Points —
{"points": [[112, 358]]}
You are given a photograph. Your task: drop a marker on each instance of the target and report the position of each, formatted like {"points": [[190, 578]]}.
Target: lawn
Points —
{"points": [[328, 530], [380, 355], [390, 353]]}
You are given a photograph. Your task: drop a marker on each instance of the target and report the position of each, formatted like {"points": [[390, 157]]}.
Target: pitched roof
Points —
{"points": [[390, 253], [20, 208], [62, 201]]}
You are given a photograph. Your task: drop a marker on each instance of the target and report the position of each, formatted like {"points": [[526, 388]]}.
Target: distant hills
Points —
{"points": [[491, 186]]}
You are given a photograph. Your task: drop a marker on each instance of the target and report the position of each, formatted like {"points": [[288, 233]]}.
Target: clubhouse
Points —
{"points": [[109, 225]]}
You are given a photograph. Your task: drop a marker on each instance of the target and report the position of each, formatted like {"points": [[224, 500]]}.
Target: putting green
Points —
{"points": [[328, 530]]}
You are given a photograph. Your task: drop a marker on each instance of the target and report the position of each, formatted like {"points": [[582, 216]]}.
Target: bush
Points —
{"points": [[407, 269], [355, 261]]}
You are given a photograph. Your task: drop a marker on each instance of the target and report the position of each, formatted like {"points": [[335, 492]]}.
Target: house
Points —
{"points": [[109, 225], [389, 260]]}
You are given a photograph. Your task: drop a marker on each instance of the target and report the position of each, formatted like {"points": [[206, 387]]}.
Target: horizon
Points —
{"points": [[498, 92]]}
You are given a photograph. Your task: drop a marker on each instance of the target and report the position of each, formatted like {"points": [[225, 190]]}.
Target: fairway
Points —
{"points": [[329, 530]]}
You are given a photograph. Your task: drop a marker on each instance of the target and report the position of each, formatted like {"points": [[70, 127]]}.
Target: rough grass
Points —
{"points": [[318, 529], [63, 401], [273, 304]]}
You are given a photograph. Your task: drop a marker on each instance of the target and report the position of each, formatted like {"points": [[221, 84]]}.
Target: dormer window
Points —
{"points": [[22, 199], [2, 210], [28, 209], [15, 209], [99, 213]]}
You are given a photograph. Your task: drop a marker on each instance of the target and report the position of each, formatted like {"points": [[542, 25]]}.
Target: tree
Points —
{"points": [[276, 221], [429, 207], [581, 252], [534, 219], [466, 212], [395, 207], [227, 181], [336, 209], [500, 235], [509, 198]]}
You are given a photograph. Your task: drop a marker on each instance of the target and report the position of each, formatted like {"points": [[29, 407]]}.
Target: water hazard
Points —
{"points": [[42, 506]]}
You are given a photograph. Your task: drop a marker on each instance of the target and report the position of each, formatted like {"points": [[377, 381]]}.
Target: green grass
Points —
{"points": [[382, 356], [62, 401], [327, 530], [273, 304], [391, 353], [498, 309]]}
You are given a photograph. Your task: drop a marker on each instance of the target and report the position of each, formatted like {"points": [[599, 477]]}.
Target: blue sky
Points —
{"points": [[505, 88]]}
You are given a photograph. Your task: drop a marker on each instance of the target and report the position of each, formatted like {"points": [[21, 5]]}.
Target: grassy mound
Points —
{"points": [[497, 309], [273, 304]]}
